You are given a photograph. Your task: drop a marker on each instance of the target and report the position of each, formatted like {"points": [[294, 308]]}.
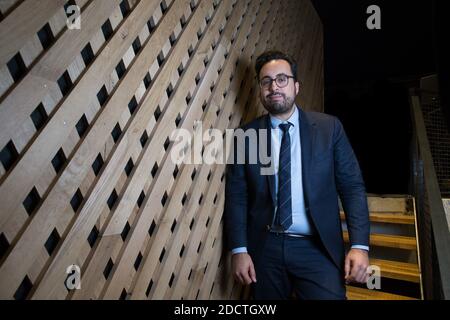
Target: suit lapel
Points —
{"points": [[307, 137]]}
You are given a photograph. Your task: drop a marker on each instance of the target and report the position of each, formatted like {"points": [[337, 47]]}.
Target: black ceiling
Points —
{"points": [[353, 53]]}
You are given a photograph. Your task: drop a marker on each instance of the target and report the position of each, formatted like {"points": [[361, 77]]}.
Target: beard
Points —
{"points": [[278, 107]]}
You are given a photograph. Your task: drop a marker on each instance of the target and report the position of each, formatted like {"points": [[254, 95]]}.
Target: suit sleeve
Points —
{"points": [[235, 214], [351, 189]]}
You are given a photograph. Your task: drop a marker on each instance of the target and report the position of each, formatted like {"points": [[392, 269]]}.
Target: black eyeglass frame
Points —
{"points": [[278, 76]]}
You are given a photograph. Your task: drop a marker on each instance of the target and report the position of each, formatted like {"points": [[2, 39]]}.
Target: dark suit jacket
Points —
{"points": [[329, 168]]}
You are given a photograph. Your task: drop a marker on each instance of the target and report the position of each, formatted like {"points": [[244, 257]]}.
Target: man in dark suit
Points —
{"points": [[284, 228]]}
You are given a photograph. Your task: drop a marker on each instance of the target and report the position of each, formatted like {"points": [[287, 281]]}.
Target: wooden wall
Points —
{"points": [[86, 116]]}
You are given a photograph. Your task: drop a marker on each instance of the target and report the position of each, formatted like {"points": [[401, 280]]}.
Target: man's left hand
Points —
{"points": [[356, 264]]}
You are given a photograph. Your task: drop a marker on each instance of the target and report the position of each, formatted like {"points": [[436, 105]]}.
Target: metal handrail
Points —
{"points": [[429, 206]]}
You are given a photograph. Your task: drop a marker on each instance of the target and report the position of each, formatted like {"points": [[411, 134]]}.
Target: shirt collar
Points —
{"points": [[293, 119]]}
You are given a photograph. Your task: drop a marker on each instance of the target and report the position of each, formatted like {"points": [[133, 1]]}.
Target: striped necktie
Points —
{"points": [[284, 180]]}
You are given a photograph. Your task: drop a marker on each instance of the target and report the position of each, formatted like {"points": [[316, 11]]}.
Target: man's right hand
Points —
{"points": [[243, 269]]}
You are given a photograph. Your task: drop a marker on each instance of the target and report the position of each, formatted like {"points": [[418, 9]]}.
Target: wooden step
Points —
{"points": [[394, 218], [388, 203], [397, 270], [355, 293], [390, 241]]}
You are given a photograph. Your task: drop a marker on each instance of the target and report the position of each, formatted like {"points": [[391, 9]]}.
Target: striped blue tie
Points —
{"points": [[284, 210]]}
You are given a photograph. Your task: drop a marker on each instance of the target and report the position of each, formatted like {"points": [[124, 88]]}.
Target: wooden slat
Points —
{"points": [[388, 203], [355, 293], [390, 241], [7, 5], [23, 23], [398, 270], [393, 218]]}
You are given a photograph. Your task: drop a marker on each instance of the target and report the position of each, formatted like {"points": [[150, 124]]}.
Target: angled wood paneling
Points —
{"points": [[86, 123]]}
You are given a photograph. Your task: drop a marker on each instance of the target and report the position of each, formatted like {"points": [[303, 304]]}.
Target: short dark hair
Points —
{"points": [[267, 56]]}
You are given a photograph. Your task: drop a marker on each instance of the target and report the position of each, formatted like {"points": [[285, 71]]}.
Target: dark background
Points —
{"points": [[367, 76]]}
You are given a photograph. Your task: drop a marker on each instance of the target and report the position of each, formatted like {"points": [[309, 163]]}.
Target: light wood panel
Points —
{"points": [[86, 123], [392, 218], [390, 241], [355, 293]]}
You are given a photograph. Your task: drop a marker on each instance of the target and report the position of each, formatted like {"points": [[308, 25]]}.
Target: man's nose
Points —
{"points": [[273, 85]]}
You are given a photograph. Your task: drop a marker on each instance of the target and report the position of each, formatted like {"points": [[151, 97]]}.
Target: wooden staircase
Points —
{"points": [[393, 248]]}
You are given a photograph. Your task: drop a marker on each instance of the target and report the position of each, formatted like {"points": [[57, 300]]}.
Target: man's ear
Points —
{"points": [[297, 87]]}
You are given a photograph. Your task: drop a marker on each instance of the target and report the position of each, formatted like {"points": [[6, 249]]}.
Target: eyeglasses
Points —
{"points": [[282, 80]]}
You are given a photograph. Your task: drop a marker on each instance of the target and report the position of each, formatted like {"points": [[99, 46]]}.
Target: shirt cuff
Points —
{"points": [[239, 250], [357, 246]]}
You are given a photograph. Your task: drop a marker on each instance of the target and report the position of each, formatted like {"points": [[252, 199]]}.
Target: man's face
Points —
{"points": [[276, 100]]}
